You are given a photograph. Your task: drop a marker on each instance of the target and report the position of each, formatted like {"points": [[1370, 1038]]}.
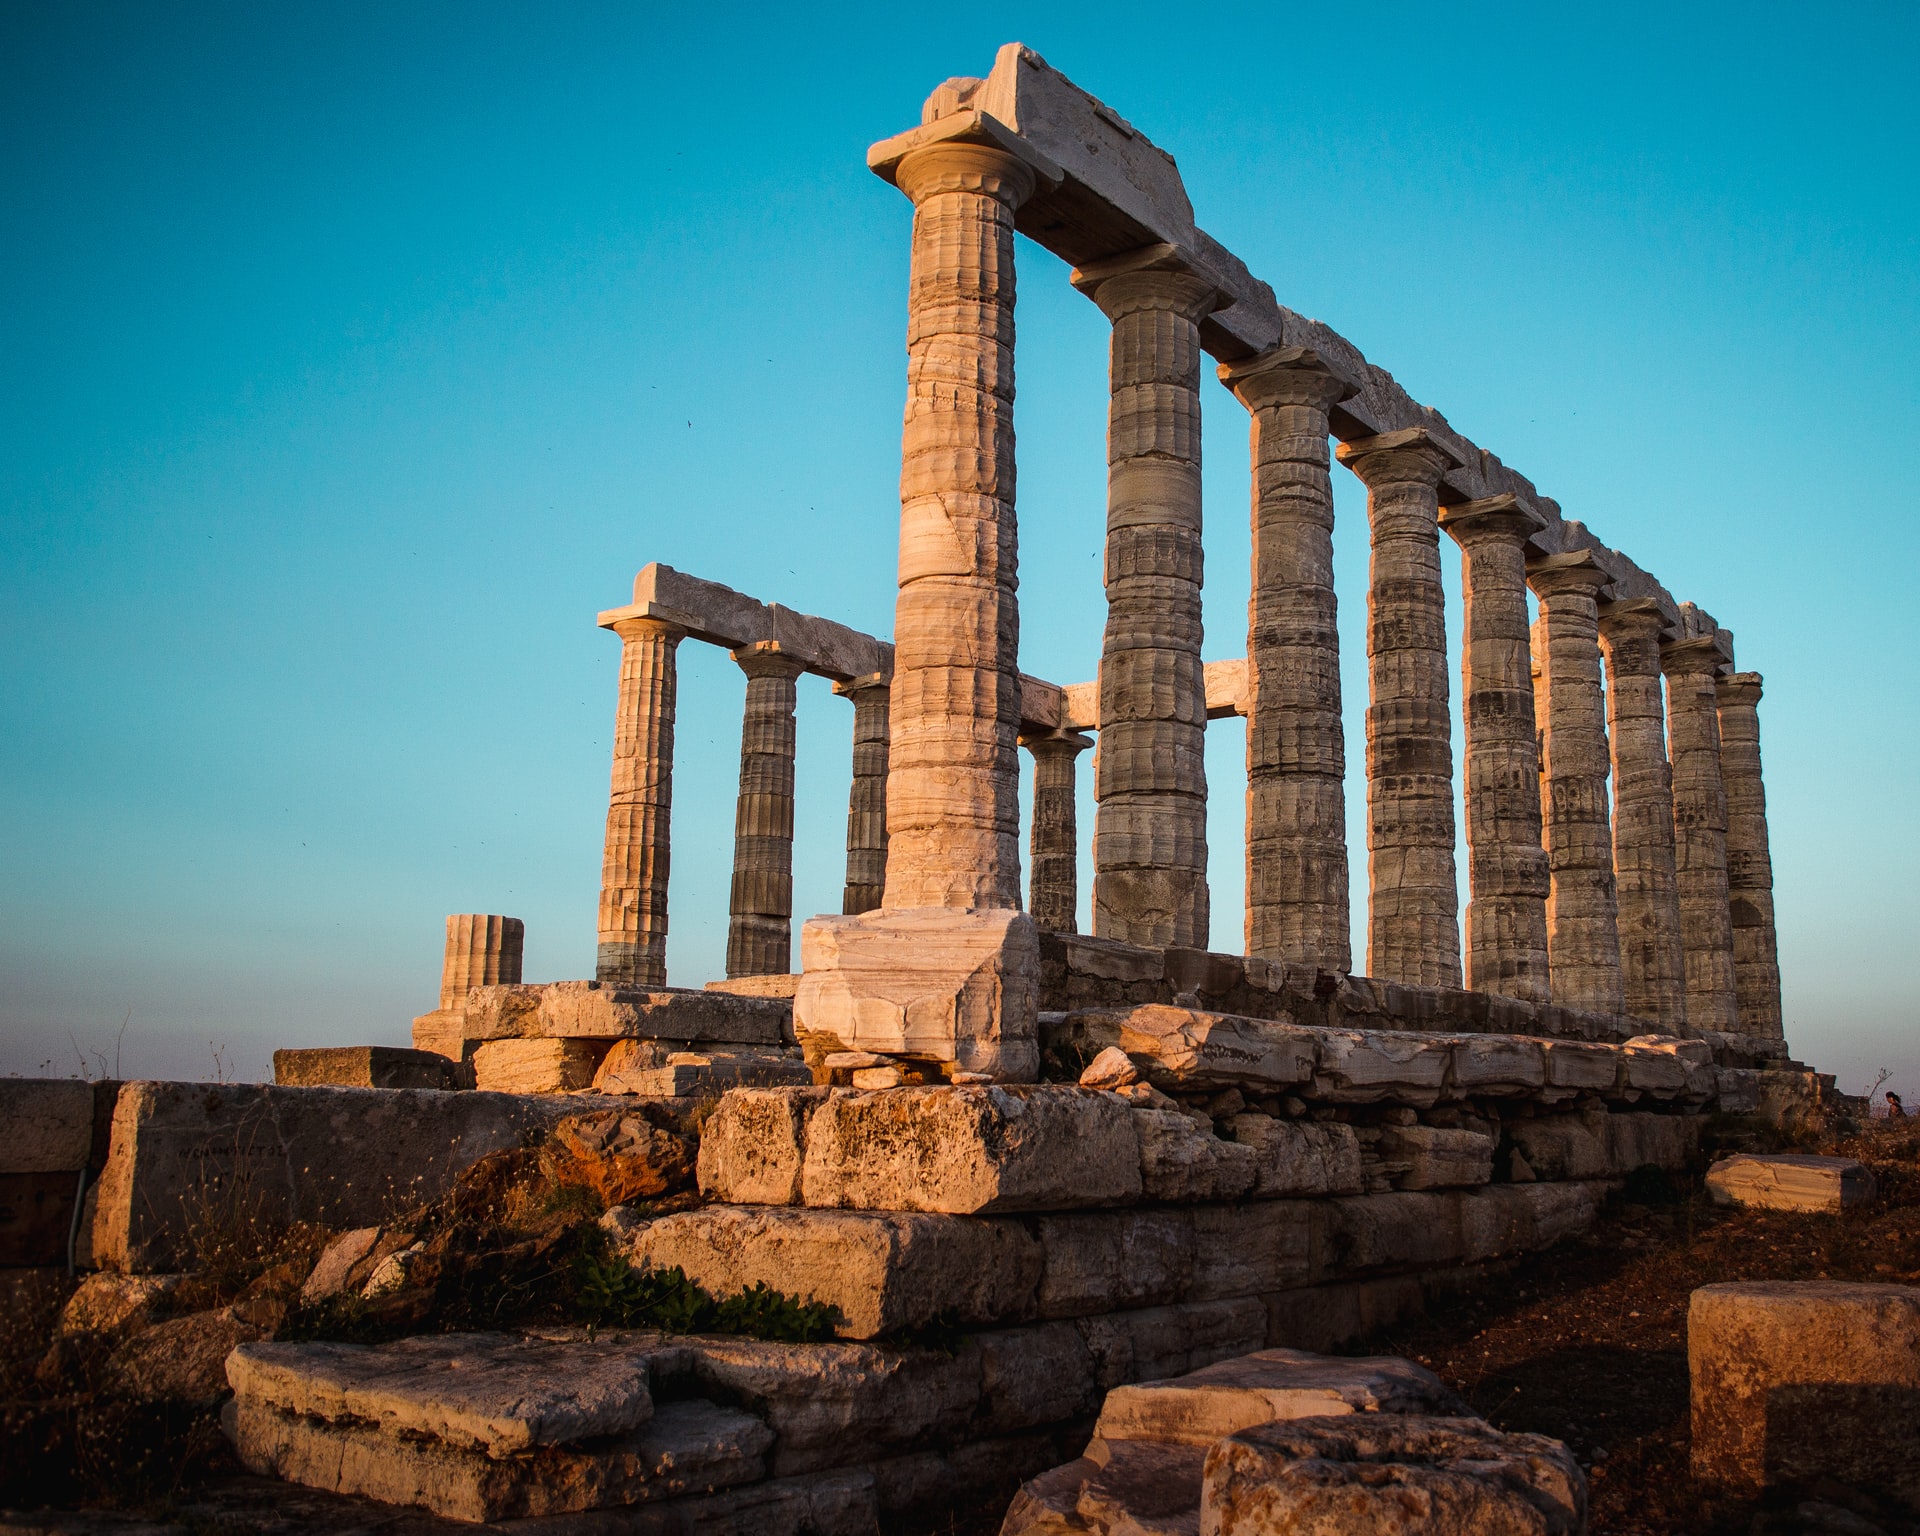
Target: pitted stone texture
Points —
{"points": [[696, 1074], [1790, 1181], [1794, 1380], [1297, 885], [1105, 1261], [1299, 1157], [1054, 881], [567, 1010], [1413, 932], [754, 1144], [1756, 959], [1431, 1157], [1386, 1474], [483, 950], [867, 797], [639, 846], [883, 1270], [972, 1150], [760, 921], [1182, 1160], [46, 1124], [365, 1066], [1376, 1066], [1665, 1067], [493, 1392], [537, 1066], [1191, 1048], [1700, 831], [936, 983], [1222, 1399]]}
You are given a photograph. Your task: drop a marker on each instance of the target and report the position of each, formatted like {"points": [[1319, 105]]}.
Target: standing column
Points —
{"points": [[1054, 898], [633, 869], [1506, 860], [1413, 921], [1150, 781], [1583, 925], [953, 782], [1700, 830], [1296, 749], [760, 929], [867, 799], [1653, 972], [482, 951], [1756, 960]]}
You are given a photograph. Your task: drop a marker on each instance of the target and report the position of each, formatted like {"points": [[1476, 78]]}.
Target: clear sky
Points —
{"points": [[353, 356]]}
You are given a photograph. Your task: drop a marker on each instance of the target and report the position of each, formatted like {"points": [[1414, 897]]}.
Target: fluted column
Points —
{"points": [[953, 816], [1756, 959], [1413, 922], [760, 924], [633, 869], [1150, 779], [1506, 860], [1054, 890], [483, 950], [1653, 972], [1700, 830], [1583, 925], [1297, 881], [867, 799]]}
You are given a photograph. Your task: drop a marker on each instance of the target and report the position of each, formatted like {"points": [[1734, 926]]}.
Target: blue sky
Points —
{"points": [[352, 357]]}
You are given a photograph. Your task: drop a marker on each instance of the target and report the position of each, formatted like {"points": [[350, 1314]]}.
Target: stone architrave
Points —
{"points": [[1413, 918], [1700, 829], [1297, 881], [1583, 935], [1653, 970], [1054, 886], [1506, 859], [1150, 780], [633, 870], [1756, 960], [760, 925], [867, 799], [483, 950]]}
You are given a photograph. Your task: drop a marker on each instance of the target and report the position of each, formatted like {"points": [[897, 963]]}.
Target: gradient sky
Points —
{"points": [[353, 356]]}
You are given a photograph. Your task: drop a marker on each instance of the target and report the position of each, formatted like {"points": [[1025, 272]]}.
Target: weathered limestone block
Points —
{"points": [[1188, 1048], [937, 983], [639, 845], [1299, 1157], [972, 1150], [1222, 1399], [1374, 1066], [1170, 1341], [492, 1392], [1503, 1220], [1664, 1067], [1651, 1141], [1429, 1157], [180, 1360], [1497, 1066], [46, 1124], [753, 1145], [1560, 1147], [537, 1066], [1737, 1090], [1250, 1248], [687, 1074], [1033, 1376], [689, 1447], [1790, 1181], [1109, 1261], [884, 1270], [1182, 1160], [1400, 1230], [365, 1066], [1389, 1474], [106, 1303], [758, 986], [1582, 1065], [568, 1010], [1798, 1380]]}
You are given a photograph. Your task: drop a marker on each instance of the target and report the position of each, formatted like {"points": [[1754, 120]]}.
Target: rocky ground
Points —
{"points": [[1586, 1343]]}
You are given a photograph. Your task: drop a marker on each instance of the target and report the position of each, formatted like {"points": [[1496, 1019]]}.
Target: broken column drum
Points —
{"points": [[1653, 972], [1583, 937], [633, 870], [1296, 864], [867, 798], [1413, 927], [1700, 829], [1506, 935], [760, 926], [483, 950], [1756, 960], [1150, 781], [1054, 886]]}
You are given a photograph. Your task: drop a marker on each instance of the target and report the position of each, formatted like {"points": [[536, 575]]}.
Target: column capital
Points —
{"points": [[767, 658], [1153, 277], [1285, 376], [1556, 575], [1633, 618], [1071, 742], [1412, 453], [963, 151], [1702, 654], [642, 619], [852, 687], [1741, 688], [1491, 518]]}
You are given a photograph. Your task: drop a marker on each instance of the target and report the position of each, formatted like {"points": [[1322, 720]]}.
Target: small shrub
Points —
{"points": [[611, 1293]]}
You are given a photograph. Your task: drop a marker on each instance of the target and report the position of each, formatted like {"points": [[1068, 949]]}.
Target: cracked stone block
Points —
{"points": [[1299, 1157], [1790, 1181], [1182, 1160]]}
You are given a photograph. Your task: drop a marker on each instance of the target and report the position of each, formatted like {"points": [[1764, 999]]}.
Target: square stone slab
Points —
{"points": [[1790, 1181]]}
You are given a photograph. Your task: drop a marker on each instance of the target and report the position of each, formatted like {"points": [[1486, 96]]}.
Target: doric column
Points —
{"points": [[1506, 860], [1054, 885], [1653, 972], [953, 791], [482, 951], [633, 869], [1296, 750], [867, 799], [1150, 779], [1756, 960], [760, 926], [1413, 921], [1700, 829], [1583, 932]]}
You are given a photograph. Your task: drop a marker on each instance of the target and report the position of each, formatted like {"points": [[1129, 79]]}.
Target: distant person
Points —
{"points": [[1895, 1109]]}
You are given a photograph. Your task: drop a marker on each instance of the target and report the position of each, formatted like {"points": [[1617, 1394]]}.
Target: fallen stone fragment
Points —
{"points": [[498, 1393], [620, 1155], [108, 1303], [1798, 1380], [1790, 1181], [1140, 1486], [182, 1359], [1190, 1049], [1112, 1068], [337, 1261], [1182, 1160], [1387, 1474], [1299, 1157]]}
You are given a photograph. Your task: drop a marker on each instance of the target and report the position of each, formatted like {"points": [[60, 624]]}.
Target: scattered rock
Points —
{"points": [[621, 1155], [181, 1360], [1112, 1068], [338, 1260], [108, 1303]]}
